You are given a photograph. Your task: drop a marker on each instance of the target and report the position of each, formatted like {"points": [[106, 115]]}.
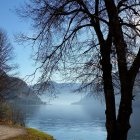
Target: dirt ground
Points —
{"points": [[8, 132]]}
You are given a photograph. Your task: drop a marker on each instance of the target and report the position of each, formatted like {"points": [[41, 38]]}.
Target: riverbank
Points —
{"points": [[20, 133]]}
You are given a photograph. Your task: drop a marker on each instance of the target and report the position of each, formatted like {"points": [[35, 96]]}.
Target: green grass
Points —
{"points": [[33, 134]]}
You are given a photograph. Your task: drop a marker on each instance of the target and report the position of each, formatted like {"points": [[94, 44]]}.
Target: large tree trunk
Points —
{"points": [[125, 108], [109, 93], [123, 123], [110, 106], [123, 119], [125, 111], [105, 50]]}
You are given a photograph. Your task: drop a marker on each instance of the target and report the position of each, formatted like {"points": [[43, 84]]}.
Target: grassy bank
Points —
{"points": [[33, 134], [14, 118]]}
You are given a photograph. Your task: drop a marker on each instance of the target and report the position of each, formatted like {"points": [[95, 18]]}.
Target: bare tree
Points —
{"points": [[6, 55], [90, 39]]}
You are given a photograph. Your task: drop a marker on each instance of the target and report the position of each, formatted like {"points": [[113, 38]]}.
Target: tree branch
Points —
{"points": [[135, 66]]}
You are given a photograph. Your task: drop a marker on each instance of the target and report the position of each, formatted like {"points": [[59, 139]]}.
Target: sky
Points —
{"points": [[13, 24]]}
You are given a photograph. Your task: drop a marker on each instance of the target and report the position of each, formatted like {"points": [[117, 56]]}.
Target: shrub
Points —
{"points": [[11, 115]]}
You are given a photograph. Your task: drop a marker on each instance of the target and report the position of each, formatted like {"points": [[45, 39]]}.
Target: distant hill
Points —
{"points": [[58, 88], [15, 90], [89, 98]]}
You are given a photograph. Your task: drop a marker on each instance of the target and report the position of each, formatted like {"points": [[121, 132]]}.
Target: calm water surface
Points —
{"points": [[69, 122], [73, 122]]}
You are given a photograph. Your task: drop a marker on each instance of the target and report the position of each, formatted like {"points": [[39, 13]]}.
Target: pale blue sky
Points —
{"points": [[12, 24]]}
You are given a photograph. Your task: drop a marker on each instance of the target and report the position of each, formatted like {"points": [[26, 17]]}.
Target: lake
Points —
{"points": [[69, 122], [74, 122]]}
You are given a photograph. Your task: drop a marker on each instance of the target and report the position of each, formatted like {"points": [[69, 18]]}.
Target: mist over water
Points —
{"points": [[66, 121]]}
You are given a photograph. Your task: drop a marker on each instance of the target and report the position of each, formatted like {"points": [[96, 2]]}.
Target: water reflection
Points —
{"points": [[66, 122], [75, 122]]}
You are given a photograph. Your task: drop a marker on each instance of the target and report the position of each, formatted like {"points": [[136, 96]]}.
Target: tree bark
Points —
{"points": [[109, 94], [123, 124], [105, 50], [125, 107]]}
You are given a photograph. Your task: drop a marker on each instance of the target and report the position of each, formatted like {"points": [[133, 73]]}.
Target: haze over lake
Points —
{"points": [[64, 120]]}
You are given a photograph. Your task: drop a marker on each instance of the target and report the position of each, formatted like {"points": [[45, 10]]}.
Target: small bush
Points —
{"points": [[11, 115], [4, 111]]}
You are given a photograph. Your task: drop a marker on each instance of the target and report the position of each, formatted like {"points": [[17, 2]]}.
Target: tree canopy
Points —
{"points": [[6, 65], [90, 40]]}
